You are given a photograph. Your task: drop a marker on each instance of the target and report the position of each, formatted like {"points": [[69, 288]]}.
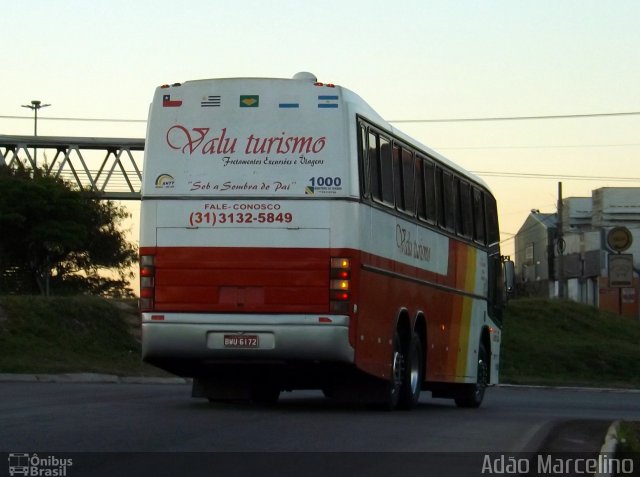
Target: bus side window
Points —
{"points": [[449, 198], [457, 211], [465, 219], [374, 167], [440, 197], [363, 156], [496, 288], [398, 183], [408, 182], [386, 171], [403, 179], [421, 205], [430, 192], [478, 217], [491, 213]]}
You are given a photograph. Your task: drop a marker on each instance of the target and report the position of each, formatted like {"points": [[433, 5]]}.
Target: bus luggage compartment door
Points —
{"points": [[272, 270]]}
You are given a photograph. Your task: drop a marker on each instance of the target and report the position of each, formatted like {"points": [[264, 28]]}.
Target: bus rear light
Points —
{"points": [[339, 295], [146, 271], [146, 292], [340, 273], [340, 285], [341, 263], [147, 260], [147, 282], [340, 307]]}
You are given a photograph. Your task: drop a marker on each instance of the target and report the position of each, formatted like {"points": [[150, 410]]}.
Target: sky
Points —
{"points": [[409, 59]]}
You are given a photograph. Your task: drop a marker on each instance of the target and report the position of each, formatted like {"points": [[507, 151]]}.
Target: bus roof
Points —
{"points": [[350, 96], [372, 115], [189, 119]]}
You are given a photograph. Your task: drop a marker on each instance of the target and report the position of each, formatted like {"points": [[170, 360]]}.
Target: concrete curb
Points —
{"points": [[569, 388], [88, 378], [608, 449]]}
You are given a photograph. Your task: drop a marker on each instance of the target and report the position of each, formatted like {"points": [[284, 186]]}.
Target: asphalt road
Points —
{"points": [[62, 417], [157, 429]]}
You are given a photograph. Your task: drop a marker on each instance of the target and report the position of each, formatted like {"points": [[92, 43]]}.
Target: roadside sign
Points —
{"points": [[621, 270], [619, 239], [628, 295]]}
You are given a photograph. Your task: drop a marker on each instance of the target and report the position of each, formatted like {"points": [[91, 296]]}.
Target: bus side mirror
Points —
{"points": [[509, 274]]}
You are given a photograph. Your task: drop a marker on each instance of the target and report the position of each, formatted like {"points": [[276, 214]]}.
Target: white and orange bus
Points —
{"points": [[293, 239]]}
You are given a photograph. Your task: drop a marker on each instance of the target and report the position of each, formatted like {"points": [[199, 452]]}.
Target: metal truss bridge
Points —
{"points": [[110, 167]]}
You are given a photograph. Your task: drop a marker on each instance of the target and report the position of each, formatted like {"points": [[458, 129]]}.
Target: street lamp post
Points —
{"points": [[35, 106]]}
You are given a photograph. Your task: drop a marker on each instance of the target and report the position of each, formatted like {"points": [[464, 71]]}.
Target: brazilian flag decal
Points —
{"points": [[249, 101]]}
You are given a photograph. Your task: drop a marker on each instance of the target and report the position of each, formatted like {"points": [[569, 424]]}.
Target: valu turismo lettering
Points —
{"points": [[204, 141]]}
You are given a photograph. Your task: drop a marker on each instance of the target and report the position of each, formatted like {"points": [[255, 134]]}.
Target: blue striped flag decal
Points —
{"points": [[289, 105], [327, 101]]}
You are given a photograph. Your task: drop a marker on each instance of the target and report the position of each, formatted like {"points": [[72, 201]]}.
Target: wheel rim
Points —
{"points": [[483, 373], [398, 364], [414, 373]]}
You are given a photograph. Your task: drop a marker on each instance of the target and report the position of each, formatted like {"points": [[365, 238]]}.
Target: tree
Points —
{"points": [[57, 238]]}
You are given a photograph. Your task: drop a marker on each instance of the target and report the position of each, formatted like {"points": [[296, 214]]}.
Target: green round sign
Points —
{"points": [[619, 239]]}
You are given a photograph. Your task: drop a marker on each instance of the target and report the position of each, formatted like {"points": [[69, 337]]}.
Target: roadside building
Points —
{"points": [[534, 244], [579, 256]]}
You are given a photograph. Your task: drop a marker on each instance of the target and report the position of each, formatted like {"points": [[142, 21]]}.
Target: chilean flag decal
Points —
{"points": [[167, 102]]}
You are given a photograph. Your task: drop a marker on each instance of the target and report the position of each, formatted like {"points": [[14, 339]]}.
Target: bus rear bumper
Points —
{"points": [[245, 338]]}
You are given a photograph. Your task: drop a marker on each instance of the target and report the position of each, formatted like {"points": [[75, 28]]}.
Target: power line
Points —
{"points": [[563, 146], [433, 120], [101, 120], [515, 118], [531, 175]]}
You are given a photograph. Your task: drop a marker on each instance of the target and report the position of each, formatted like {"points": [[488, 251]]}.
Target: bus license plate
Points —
{"points": [[241, 341]]}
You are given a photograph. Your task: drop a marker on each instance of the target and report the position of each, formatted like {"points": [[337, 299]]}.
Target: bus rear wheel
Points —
{"points": [[471, 395], [413, 374], [393, 387]]}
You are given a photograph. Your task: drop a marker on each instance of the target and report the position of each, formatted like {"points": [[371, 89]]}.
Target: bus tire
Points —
{"points": [[413, 374], [471, 395], [393, 387]]}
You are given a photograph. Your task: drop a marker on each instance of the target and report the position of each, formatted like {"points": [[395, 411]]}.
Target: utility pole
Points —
{"points": [[35, 106], [560, 245]]}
